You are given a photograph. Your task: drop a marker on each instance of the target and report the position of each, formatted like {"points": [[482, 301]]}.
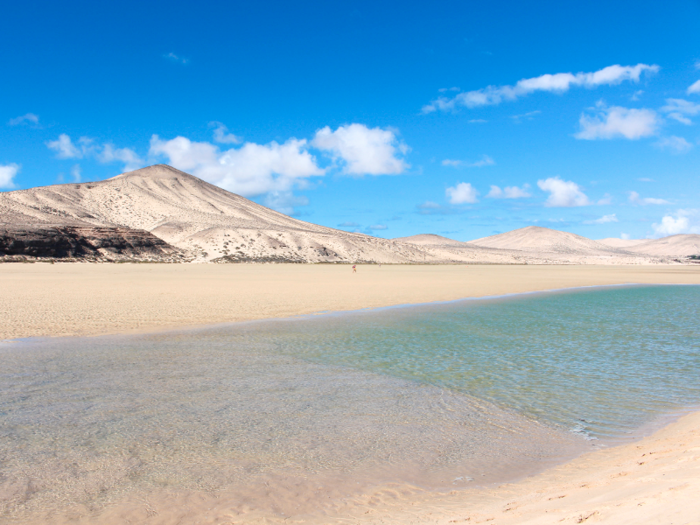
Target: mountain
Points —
{"points": [[545, 240], [681, 245], [201, 220], [161, 213]]}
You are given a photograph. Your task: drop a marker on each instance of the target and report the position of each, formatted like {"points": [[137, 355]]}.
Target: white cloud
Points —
{"points": [[634, 198], [222, 136], [7, 174], [645, 179], [378, 227], [509, 192], [477, 121], [694, 87], [558, 83], [617, 122], [685, 221], [484, 161], [176, 58], [253, 169], [527, 116], [562, 194], [637, 94], [603, 220], [675, 144], [679, 109], [348, 224], [462, 193], [24, 119], [76, 173], [65, 148], [625, 236], [364, 151], [429, 205], [126, 155], [86, 147]]}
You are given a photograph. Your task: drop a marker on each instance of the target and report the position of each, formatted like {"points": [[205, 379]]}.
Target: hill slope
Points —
{"points": [[674, 246], [205, 221], [132, 214], [545, 240]]}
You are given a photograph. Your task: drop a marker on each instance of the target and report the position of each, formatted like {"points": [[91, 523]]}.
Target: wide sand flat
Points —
{"points": [[90, 299], [656, 480]]}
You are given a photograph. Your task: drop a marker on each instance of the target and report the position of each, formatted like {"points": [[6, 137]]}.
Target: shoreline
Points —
{"points": [[81, 300]]}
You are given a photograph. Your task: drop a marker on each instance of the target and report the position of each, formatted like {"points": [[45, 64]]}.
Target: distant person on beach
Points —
{"points": [[354, 269]]}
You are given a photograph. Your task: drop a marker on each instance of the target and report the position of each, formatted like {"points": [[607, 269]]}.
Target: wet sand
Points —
{"points": [[655, 480]]}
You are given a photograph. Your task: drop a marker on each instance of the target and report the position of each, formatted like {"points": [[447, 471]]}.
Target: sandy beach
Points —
{"points": [[655, 480], [85, 299]]}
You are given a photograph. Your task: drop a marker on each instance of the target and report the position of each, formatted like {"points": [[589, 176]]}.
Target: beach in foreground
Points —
{"points": [[650, 481]]}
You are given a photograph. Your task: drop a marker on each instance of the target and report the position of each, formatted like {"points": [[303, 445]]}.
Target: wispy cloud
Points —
{"points": [[525, 116], [222, 135], [617, 122], [674, 144], [562, 193], [680, 109], [694, 87], [76, 173], [29, 118], [65, 148], [557, 83], [176, 59], [603, 220], [484, 161], [509, 192], [634, 198]]}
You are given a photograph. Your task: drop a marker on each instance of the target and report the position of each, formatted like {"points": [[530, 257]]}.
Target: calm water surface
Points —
{"points": [[439, 396]]}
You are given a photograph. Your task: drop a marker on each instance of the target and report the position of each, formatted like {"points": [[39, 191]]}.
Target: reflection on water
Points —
{"points": [[280, 415]]}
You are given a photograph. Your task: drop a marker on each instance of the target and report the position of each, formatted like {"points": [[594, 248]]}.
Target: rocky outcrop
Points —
{"points": [[84, 242]]}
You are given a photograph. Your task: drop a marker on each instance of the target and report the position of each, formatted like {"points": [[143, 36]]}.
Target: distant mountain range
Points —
{"points": [[160, 213]]}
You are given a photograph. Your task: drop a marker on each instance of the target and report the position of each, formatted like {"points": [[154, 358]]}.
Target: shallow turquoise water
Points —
{"points": [[603, 361], [441, 395]]}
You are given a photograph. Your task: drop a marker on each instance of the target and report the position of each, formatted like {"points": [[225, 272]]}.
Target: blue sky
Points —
{"points": [[391, 118]]}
